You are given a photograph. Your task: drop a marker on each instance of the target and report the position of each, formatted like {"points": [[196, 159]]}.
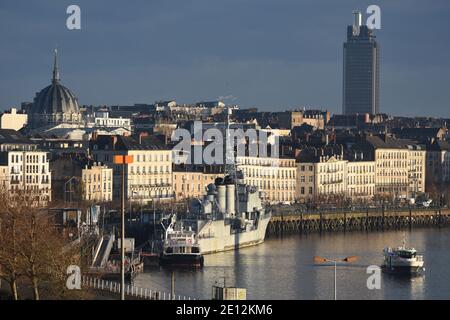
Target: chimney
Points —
{"points": [[141, 135], [113, 142]]}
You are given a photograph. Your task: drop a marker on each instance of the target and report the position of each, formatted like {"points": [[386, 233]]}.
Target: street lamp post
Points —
{"points": [[122, 160], [68, 182], [320, 260]]}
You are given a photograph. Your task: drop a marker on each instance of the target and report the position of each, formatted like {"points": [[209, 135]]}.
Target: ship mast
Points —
{"points": [[230, 168]]}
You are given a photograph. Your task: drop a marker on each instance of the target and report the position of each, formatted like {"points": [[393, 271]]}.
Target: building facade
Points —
{"points": [[332, 177], [438, 163], [192, 184], [24, 169], [400, 173], [274, 177], [28, 172], [13, 120], [103, 120], [97, 183], [360, 180], [148, 178], [305, 185]]}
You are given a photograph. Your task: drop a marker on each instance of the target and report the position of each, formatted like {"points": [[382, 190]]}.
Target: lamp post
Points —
{"points": [[320, 260], [122, 160], [69, 182]]}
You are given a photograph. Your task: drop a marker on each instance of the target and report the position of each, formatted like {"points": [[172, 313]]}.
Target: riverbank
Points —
{"points": [[291, 221]]}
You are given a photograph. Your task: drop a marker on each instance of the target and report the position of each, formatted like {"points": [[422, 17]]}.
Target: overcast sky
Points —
{"points": [[271, 54]]}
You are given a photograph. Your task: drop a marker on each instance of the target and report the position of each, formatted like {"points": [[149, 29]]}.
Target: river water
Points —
{"points": [[283, 268]]}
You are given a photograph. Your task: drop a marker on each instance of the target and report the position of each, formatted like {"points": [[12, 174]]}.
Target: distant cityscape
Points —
{"points": [[54, 143], [97, 197]]}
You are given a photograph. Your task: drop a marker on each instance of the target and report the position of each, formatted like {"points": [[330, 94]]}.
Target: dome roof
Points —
{"points": [[55, 98]]}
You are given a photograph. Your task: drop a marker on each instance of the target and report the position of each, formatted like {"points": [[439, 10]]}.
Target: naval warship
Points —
{"points": [[230, 216]]}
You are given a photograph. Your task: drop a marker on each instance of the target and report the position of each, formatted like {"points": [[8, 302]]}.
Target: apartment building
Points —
{"points": [[191, 183], [328, 176], [13, 120], [97, 183], [438, 163], [360, 180], [400, 166], [292, 119], [305, 184], [23, 167], [4, 178], [275, 177], [331, 172], [148, 178], [103, 120]]}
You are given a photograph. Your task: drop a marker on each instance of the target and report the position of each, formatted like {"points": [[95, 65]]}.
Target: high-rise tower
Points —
{"points": [[361, 80]]}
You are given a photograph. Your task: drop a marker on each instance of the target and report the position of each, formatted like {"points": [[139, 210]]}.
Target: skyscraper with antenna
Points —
{"points": [[361, 69]]}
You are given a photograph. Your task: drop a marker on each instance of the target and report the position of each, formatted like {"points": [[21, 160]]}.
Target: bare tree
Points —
{"points": [[10, 244]]}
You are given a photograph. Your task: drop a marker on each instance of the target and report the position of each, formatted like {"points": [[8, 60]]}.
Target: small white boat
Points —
{"points": [[181, 248], [402, 259]]}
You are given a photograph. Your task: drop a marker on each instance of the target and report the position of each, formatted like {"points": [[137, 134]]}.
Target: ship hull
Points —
{"points": [[181, 260], [216, 236], [403, 269]]}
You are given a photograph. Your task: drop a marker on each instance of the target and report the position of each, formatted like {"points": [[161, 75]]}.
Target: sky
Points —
{"points": [[269, 54]]}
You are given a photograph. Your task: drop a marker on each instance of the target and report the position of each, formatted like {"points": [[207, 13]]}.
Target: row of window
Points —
{"points": [[151, 157], [151, 169], [361, 169], [393, 155], [272, 162], [361, 180], [304, 168], [98, 187], [272, 185], [17, 158], [152, 181], [274, 173], [96, 177]]}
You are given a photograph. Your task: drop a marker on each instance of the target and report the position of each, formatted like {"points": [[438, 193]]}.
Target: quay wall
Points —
{"points": [[292, 221]]}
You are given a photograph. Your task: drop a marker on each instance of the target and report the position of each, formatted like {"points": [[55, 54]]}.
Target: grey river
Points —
{"points": [[283, 268]]}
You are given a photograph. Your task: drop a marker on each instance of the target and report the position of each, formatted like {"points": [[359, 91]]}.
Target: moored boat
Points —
{"points": [[180, 247], [403, 260]]}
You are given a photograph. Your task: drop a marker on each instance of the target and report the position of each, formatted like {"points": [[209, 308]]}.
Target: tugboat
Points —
{"points": [[180, 248], [402, 260]]}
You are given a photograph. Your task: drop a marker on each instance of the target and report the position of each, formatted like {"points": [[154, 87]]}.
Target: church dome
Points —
{"points": [[55, 99], [55, 103]]}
